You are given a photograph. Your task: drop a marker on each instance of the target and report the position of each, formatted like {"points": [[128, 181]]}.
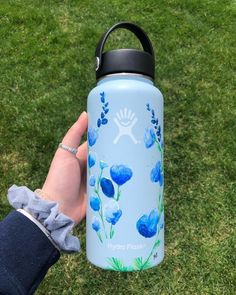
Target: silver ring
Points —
{"points": [[68, 148]]}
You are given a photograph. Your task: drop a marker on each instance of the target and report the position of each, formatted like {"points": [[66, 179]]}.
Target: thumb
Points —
{"points": [[77, 130]]}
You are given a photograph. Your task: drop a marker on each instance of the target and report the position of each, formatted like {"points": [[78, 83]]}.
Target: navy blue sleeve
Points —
{"points": [[26, 254]]}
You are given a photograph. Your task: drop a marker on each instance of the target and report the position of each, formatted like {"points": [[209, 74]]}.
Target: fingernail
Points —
{"points": [[82, 114]]}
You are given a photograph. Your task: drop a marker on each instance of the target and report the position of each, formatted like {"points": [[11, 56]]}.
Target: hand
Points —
{"points": [[66, 179]]}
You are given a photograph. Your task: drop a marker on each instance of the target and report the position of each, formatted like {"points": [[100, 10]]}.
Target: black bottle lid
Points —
{"points": [[125, 60]]}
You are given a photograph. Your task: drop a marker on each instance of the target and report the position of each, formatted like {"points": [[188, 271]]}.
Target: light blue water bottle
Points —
{"points": [[125, 211]]}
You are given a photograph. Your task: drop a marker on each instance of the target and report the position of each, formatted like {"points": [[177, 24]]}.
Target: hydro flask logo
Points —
{"points": [[125, 120]]}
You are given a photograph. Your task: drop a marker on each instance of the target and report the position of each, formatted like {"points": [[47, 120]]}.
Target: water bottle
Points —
{"points": [[125, 210]]}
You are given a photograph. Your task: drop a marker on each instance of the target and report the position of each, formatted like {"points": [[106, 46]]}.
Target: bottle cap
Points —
{"points": [[125, 60]]}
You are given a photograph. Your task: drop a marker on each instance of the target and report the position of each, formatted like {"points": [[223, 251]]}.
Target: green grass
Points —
{"points": [[47, 57]]}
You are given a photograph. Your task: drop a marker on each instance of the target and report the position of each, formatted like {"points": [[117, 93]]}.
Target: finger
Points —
{"points": [[74, 134], [82, 154]]}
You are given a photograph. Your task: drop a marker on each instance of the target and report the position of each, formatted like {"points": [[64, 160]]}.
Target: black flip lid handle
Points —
{"points": [[140, 34]]}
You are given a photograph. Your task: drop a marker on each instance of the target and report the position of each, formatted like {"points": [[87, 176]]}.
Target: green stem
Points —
{"points": [[96, 190], [160, 203], [150, 255], [101, 215], [160, 149], [118, 194], [100, 238], [98, 181], [160, 200], [111, 231], [103, 223], [146, 261]]}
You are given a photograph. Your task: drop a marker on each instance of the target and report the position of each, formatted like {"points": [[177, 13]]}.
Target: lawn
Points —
{"points": [[47, 69]]}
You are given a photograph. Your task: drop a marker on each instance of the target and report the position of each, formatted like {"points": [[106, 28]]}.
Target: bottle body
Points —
{"points": [[125, 211]]}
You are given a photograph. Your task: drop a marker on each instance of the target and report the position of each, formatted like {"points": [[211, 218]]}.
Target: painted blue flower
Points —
{"points": [[102, 96], [155, 123], [157, 174], [96, 225], [91, 159], [158, 133], [147, 224], [103, 164], [112, 212], [107, 187], [99, 122], [120, 174], [92, 180], [102, 120], [95, 203], [92, 136], [149, 137]]}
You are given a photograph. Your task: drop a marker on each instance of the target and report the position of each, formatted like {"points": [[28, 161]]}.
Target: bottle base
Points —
{"points": [[116, 265]]}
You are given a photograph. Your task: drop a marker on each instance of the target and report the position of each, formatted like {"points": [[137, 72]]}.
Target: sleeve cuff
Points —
{"points": [[26, 254], [47, 213], [39, 225]]}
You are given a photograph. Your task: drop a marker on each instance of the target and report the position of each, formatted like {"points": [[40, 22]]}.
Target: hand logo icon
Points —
{"points": [[125, 120]]}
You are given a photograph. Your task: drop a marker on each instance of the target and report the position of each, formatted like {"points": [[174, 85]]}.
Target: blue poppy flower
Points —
{"points": [[120, 174], [112, 212], [91, 159], [96, 225], [149, 137], [147, 224], [92, 136], [107, 187], [157, 174], [92, 180], [103, 165], [95, 203]]}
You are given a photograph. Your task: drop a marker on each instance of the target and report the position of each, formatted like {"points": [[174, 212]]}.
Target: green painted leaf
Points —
{"points": [[117, 264], [157, 244], [139, 264], [147, 265], [161, 206]]}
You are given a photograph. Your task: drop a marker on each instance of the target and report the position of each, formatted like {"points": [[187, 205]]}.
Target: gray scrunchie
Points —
{"points": [[47, 213]]}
